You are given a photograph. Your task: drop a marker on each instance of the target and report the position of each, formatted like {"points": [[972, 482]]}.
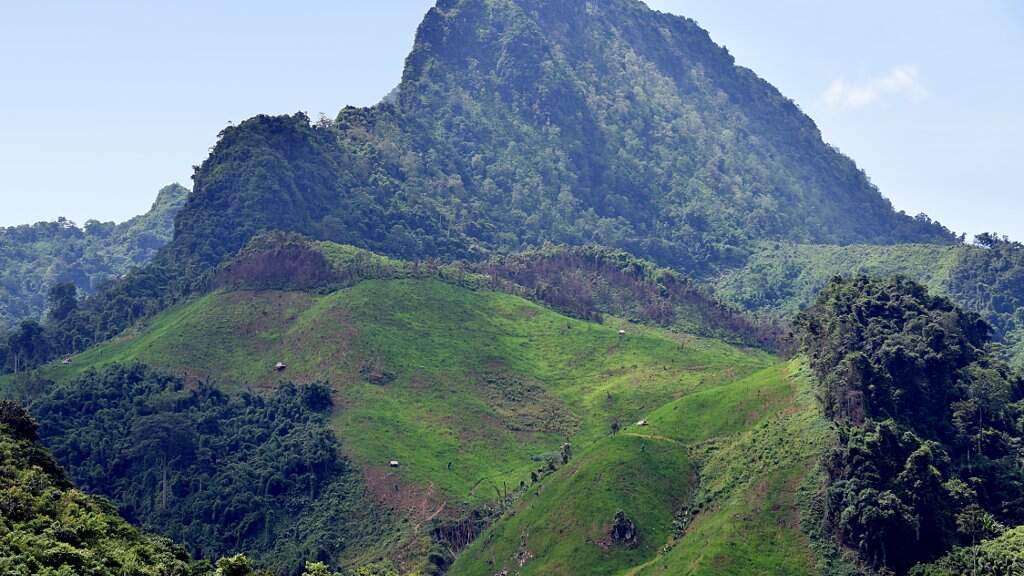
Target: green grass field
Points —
{"points": [[471, 385], [735, 454]]}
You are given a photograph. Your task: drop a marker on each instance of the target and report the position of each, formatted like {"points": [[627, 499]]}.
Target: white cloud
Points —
{"points": [[901, 81]]}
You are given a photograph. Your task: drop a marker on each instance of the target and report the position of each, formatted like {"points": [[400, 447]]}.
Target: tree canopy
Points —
{"points": [[929, 420]]}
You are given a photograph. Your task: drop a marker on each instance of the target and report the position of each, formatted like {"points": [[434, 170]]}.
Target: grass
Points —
{"points": [[749, 516], [735, 454], [478, 382], [562, 524]]}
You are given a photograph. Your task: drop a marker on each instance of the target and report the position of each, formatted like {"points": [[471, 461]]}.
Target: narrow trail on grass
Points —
{"points": [[654, 437]]}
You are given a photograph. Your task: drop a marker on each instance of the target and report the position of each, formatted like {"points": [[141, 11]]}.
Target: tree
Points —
{"points": [[27, 346], [317, 569], [929, 421], [63, 301], [166, 437], [237, 565], [375, 569], [18, 421]]}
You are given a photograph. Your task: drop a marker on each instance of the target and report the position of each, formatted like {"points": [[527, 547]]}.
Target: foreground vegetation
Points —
{"points": [[929, 422], [255, 473], [49, 528]]}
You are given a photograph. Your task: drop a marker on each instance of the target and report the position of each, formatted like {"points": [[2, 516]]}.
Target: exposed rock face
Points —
{"points": [[624, 531]]}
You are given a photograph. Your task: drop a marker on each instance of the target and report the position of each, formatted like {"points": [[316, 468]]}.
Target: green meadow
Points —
{"points": [[466, 389], [712, 481]]}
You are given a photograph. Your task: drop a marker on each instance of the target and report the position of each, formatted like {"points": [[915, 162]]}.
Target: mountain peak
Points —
{"points": [[170, 196], [524, 121]]}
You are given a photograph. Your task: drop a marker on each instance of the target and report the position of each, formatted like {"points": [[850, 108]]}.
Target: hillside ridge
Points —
{"points": [[37, 257]]}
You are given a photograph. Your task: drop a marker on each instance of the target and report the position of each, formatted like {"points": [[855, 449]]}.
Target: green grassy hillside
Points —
{"points": [[711, 483], [470, 390]]}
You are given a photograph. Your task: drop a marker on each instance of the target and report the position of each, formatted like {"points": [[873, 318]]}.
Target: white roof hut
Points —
{"points": [[394, 464], [622, 332], [280, 366]]}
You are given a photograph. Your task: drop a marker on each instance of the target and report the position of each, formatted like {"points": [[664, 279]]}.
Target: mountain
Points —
{"points": [[517, 123], [35, 258], [520, 121]]}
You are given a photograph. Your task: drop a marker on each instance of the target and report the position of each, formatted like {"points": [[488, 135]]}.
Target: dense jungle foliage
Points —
{"points": [[35, 258], [990, 281], [519, 121], [257, 474], [929, 419], [1001, 556], [49, 528]]}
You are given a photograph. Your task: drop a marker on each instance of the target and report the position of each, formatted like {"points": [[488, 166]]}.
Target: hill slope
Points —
{"points": [[469, 389], [35, 258], [504, 378], [711, 483]]}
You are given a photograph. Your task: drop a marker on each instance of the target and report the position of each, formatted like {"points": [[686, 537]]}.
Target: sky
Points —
{"points": [[104, 102]]}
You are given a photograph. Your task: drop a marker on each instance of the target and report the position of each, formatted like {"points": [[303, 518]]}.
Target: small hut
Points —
{"points": [[622, 332], [280, 367], [394, 464]]}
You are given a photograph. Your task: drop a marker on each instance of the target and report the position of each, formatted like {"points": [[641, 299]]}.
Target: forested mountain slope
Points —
{"points": [[49, 528], [779, 280], [519, 121], [35, 258]]}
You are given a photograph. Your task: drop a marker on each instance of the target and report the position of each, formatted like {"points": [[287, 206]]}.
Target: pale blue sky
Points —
{"points": [[103, 102]]}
